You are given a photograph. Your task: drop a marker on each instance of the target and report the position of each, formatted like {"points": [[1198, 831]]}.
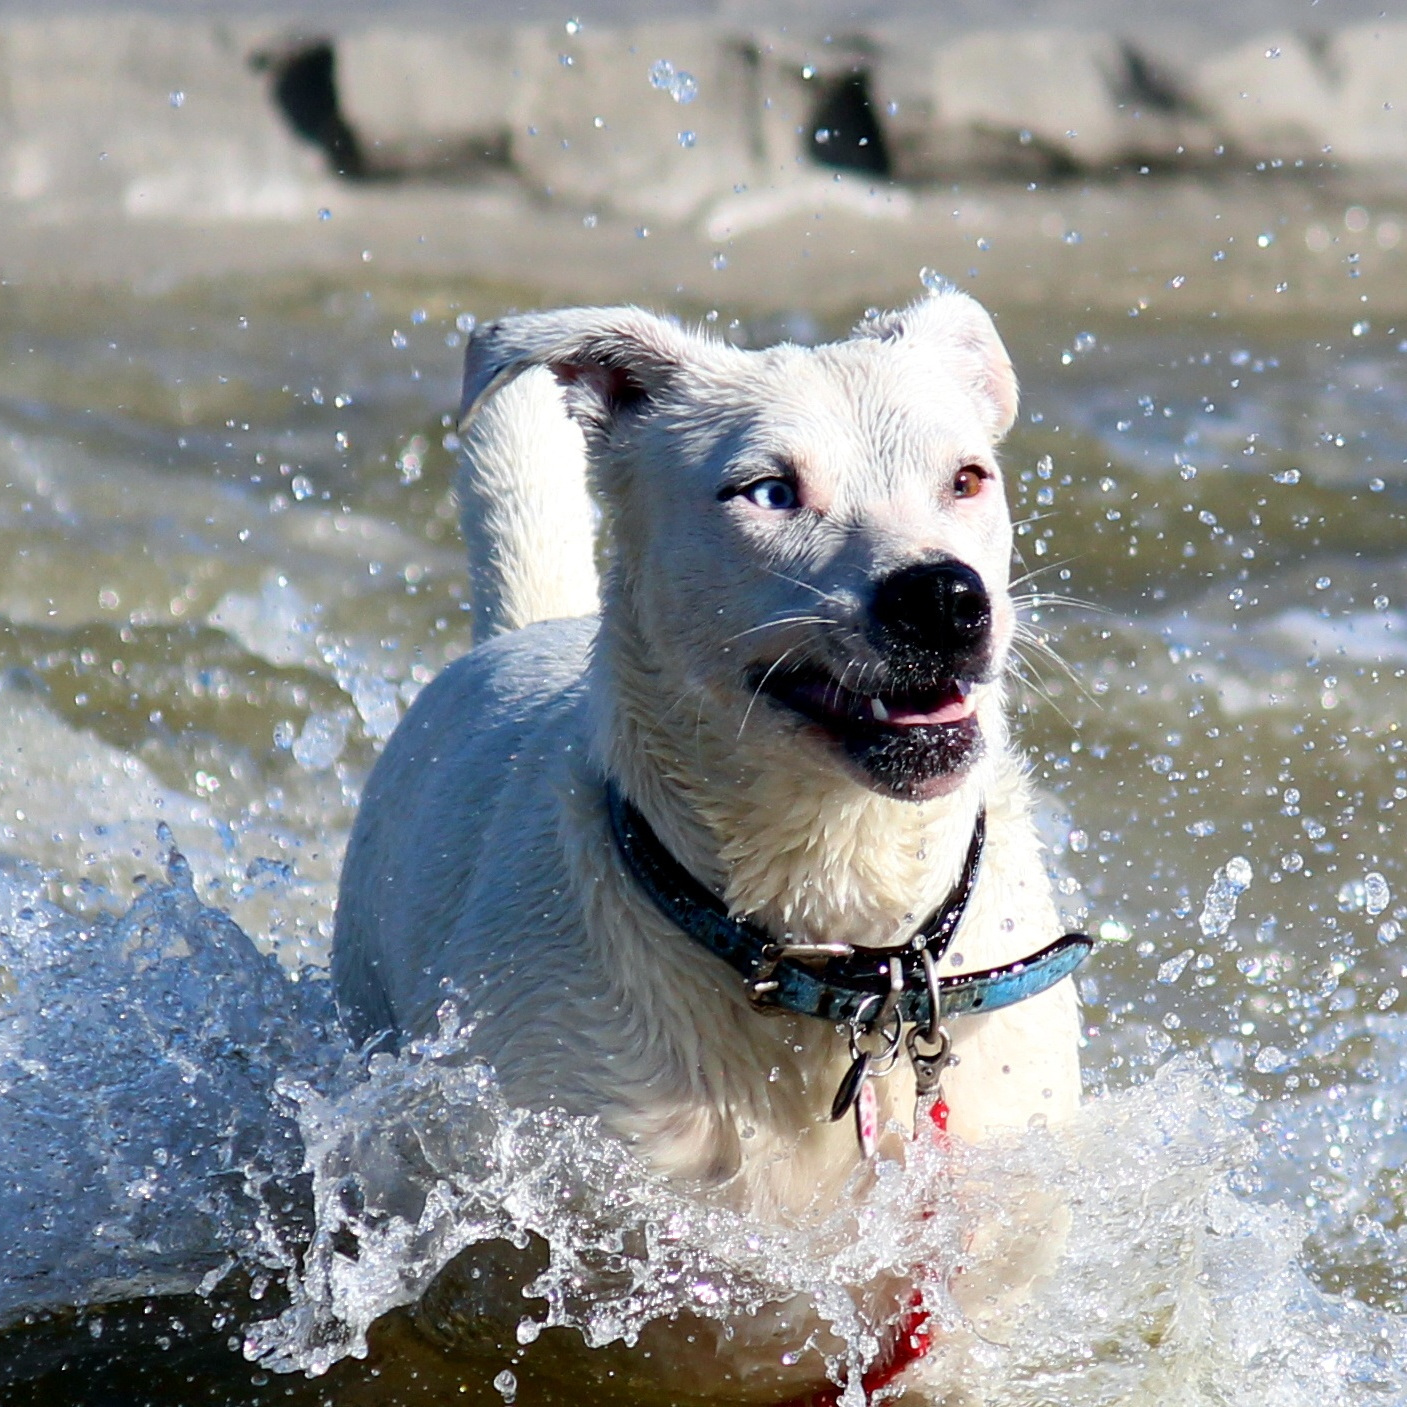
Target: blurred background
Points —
{"points": [[241, 247]]}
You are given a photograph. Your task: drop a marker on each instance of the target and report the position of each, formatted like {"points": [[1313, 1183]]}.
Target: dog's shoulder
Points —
{"points": [[456, 761], [505, 678]]}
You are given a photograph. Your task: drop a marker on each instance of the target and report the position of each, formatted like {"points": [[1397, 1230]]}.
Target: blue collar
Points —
{"points": [[835, 981]]}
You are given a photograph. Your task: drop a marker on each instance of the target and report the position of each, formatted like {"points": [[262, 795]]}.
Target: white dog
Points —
{"points": [[774, 751]]}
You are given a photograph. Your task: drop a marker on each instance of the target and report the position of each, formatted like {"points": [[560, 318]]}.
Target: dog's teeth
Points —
{"points": [[965, 686], [877, 708]]}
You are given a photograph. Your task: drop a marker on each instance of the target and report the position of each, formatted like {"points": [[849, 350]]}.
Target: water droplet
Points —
{"points": [[321, 741], [1377, 894], [1265, 240], [1270, 1058], [506, 1383], [1287, 476], [176, 98], [688, 139], [719, 261], [1352, 896], [324, 213], [1219, 904], [466, 323], [1079, 841], [398, 340], [1173, 968]]}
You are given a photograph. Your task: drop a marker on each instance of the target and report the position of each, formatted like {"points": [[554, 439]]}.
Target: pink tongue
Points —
{"points": [[952, 710]]}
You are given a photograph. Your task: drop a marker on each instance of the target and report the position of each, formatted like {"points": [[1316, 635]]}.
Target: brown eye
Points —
{"points": [[967, 482]]}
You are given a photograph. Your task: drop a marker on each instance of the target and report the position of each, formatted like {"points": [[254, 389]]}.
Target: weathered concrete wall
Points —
{"points": [[145, 118], [151, 148], [200, 119], [577, 115], [1292, 97]]}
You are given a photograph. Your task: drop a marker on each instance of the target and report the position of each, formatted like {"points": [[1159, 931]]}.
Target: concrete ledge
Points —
{"points": [[145, 118], [1290, 97], [714, 161], [195, 118]]}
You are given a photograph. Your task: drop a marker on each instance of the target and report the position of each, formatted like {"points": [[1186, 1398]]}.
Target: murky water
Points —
{"points": [[231, 559]]}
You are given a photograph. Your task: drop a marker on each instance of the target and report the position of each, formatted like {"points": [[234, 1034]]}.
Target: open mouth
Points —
{"points": [[823, 699], [911, 738]]}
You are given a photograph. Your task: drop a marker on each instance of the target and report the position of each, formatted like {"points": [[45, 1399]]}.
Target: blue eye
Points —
{"points": [[776, 494]]}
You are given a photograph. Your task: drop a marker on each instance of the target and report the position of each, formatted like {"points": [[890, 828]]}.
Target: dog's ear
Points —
{"points": [[958, 331], [606, 359]]}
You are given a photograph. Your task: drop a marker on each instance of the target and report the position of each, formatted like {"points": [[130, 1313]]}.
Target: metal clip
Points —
{"points": [[928, 1068]]}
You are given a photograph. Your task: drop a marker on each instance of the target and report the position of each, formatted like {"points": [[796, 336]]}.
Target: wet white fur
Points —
{"points": [[525, 512], [481, 860]]}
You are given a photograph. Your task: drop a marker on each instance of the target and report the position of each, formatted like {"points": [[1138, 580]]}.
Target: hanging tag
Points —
{"points": [[867, 1118], [856, 1079]]}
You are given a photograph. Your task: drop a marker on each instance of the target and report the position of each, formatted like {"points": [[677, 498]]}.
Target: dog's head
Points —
{"points": [[816, 539]]}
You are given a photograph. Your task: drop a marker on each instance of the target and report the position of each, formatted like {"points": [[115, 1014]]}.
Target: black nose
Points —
{"points": [[936, 607]]}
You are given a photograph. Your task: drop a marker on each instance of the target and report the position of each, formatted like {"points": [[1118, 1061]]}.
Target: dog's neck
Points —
{"points": [[782, 833]]}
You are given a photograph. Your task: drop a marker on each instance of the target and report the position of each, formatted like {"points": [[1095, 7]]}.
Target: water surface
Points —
{"points": [[232, 560]]}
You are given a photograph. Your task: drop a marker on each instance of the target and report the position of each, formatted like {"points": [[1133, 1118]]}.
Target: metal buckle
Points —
{"points": [[761, 985]]}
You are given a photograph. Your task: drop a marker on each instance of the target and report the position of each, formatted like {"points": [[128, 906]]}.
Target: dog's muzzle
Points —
{"points": [[908, 724]]}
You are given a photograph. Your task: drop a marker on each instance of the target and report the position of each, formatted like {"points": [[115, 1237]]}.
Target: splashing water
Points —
{"points": [[1118, 1259], [1166, 1287], [1219, 907], [138, 1057]]}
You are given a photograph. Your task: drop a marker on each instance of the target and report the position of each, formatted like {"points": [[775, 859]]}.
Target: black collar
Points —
{"points": [[835, 981]]}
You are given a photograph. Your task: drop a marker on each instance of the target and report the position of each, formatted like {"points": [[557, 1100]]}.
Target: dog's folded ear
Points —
{"points": [[958, 332], [606, 359]]}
